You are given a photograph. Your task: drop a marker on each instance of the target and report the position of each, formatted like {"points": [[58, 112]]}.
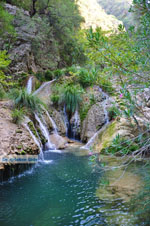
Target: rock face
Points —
{"points": [[58, 117], [121, 127], [120, 9], [14, 139], [95, 16], [97, 115], [94, 120], [22, 48]]}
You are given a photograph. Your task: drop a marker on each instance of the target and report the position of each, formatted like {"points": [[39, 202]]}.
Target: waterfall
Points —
{"points": [[53, 123], [66, 120], [93, 138], [45, 132], [75, 125], [43, 86], [29, 85], [37, 142], [91, 141]]}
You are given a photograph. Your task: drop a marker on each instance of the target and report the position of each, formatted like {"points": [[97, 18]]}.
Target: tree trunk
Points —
{"points": [[9, 1], [33, 10]]}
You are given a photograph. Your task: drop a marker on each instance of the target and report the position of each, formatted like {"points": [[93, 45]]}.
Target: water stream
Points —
{"points": [[66, 120], [29, 85], [42, 87], [44, 131], [76, 125], [37, 141], [52, 122]]}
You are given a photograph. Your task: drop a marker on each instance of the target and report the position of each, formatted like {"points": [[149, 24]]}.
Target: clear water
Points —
{"points": [[59, 193]]}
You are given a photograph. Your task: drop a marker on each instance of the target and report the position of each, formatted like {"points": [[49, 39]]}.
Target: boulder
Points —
{"points": [[58, 141], [94, 120], [58, 117], [120, 126]]}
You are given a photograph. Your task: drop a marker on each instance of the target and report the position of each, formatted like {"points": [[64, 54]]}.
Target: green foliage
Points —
{"points": [[87, 77], [18, 115], [2, 93], [121, 146], [114, 112], [49, 75], [6, 27], [22, 99], [58, 73], [118, 51], [58, 23], [71, 96], [55, 99], [105, 84], [43, 76], [119, 9], [5, 81], [85, 107]]}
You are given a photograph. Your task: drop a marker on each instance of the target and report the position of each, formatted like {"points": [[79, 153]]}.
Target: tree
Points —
{"points": [[6, 27], [4, 62]]}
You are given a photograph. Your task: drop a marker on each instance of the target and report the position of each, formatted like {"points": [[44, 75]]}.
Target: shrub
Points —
{"points": [[113, 112], [70, 70], [22, 99], [58, 73], [87, 77], [106, 85], [49, 75], [71, 96], [40, 76], [18, 115], [121, 146], [2, 93], [86, 107], [55, 99]]}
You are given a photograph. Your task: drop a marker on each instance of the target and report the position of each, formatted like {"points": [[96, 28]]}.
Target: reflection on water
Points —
{"points": [[62, 192]]}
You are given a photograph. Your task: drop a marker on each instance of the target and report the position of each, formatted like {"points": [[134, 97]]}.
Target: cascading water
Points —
{"points": [[52, 122], [37, 142], [43, 86], [93, 138], [72, 125], [29, 85], [75, 123], [66, 120], [45, 132]]}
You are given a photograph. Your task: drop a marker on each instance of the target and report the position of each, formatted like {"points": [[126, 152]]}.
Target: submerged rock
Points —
{"points": [[119, 182]]}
